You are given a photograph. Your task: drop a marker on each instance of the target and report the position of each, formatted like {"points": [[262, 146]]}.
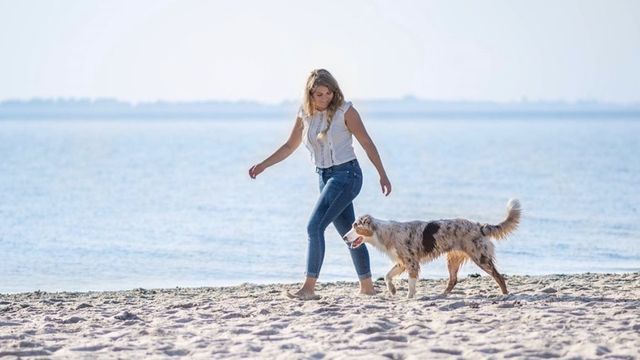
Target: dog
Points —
{"points": [[410, 243]]}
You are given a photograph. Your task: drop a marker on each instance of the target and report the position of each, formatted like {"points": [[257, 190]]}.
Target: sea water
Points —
{"points": [[120, 204]]}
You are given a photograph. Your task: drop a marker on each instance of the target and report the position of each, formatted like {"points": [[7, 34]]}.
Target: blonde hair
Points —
{"points": [[321, 77]]}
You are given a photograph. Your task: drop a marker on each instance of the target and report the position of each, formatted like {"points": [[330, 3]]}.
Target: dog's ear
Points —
{"points": [[363, 221]]}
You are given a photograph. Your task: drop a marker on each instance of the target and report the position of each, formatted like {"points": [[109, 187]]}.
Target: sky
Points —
{"points": [[147, 50]]}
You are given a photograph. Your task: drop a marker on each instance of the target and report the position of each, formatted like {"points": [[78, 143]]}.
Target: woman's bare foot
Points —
{"points": [[366, 287], [303, 295], [307, 292]]}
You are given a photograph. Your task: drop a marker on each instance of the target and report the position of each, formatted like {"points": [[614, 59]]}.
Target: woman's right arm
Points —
{"points": [[283, 152]]}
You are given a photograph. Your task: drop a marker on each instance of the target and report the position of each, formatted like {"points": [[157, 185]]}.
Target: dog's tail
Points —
{"points": [[509, 224]]}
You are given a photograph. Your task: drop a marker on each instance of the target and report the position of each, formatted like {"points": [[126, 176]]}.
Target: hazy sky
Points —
{"points": [[264, 50]]}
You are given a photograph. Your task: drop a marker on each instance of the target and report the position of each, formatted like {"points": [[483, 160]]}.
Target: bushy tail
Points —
{"points": [[509, 224]]}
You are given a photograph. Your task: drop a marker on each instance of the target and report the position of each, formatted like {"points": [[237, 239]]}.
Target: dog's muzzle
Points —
{"points": [[353, 239]]}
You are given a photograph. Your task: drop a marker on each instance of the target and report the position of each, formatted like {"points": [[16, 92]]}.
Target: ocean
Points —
{"points": [[122, 204]]}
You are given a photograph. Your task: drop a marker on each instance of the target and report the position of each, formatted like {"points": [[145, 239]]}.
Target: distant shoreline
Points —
{"points": [[407, 108], [286, 116]]}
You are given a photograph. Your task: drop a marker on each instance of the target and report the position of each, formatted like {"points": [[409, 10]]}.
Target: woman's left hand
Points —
{"points": [[385, 184]]}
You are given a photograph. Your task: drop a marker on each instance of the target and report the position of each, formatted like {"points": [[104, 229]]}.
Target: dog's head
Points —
{"points": [[361, 231]]}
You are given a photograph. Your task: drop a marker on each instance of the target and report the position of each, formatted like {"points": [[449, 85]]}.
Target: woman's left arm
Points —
{"points": [[355, 125]]}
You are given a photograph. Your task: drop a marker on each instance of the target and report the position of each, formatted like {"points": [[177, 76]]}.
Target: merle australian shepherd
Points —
{"points": [[410, 243]]}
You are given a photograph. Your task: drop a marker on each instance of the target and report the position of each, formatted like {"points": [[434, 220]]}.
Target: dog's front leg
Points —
{"points": [[414, 269], [396, 270]]}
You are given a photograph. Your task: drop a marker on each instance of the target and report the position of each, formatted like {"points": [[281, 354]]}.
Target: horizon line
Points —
{"points": [[522, 100]]}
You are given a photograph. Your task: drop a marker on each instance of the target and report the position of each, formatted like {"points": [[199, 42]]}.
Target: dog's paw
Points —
{"points": [[391, 288]]}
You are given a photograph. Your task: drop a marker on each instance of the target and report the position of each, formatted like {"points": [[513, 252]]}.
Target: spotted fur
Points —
{"points": [[410, 243]]}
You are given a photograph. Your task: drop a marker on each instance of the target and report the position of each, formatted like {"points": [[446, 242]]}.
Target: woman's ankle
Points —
{"points": [[309, 285], [366, 286]]}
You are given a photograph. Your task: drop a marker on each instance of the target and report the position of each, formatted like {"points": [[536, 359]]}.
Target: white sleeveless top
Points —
{"points": [[337, 146]]}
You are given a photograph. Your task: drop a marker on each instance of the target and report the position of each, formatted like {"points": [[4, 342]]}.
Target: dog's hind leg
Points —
{"points": [[396, 270], [454, 261], [486, 264]]}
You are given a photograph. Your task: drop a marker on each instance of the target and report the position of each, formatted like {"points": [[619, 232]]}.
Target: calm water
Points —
{"points": [[123, 204]]}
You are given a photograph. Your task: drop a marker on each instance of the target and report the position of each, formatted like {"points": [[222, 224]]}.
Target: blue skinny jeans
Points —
{"points": [[339, 185]]}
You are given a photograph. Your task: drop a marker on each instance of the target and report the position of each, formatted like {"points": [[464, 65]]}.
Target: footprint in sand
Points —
{"points": [[423, 332], [266, 332], [292, 347], [25, 353], [29, 344], [183, 306], [327, 309], [184, 320], [95, 347], [73, 320], [489, 350], [233, 316], [177, 352], [396, 338], [262, 312], [9, 323], [125, 315], [452, 306], [373, 307], [394, 355], [446, 351], [370, 330]]}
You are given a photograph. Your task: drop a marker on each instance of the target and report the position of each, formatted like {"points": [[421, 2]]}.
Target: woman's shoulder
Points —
{"points": [[346, 105], [349, 109], [302, 114]]}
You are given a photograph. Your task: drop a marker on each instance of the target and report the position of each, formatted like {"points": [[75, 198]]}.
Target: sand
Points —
{"points": [[555, 316]]}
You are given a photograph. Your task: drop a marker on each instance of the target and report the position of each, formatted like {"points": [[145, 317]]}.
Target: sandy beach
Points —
{"points": [[555, 316]]}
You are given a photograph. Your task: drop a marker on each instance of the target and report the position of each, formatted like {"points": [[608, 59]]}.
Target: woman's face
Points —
{"points": [[322, 97]]}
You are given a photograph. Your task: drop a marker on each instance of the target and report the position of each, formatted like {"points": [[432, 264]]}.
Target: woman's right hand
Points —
{"points": [[256, 170]]}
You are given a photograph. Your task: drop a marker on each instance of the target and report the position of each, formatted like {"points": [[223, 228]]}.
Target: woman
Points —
{"points": [[325, 124]]}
